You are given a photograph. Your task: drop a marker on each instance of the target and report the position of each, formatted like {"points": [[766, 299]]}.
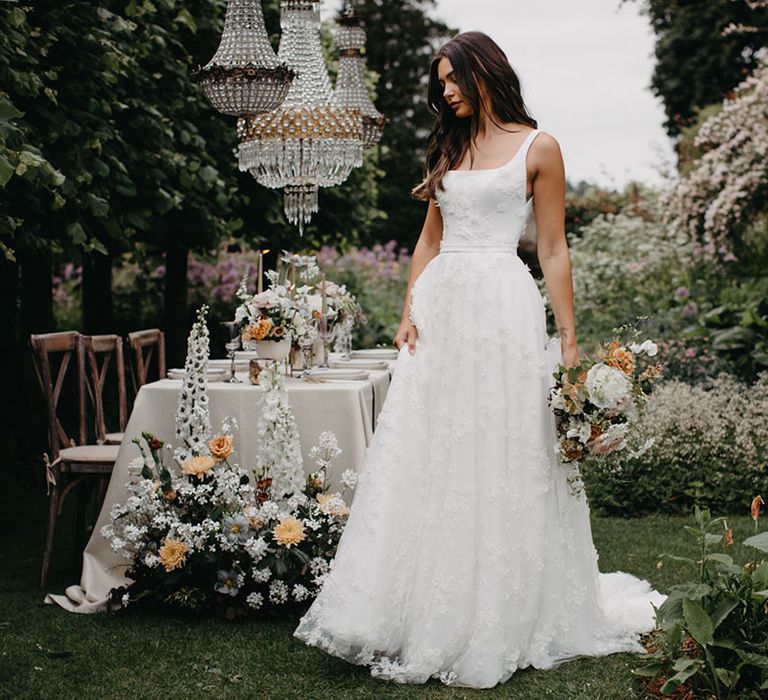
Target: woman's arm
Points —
{"points": [[427, 247], [548, 170]]}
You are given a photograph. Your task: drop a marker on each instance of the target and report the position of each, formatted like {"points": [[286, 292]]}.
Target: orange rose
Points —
{"points": [[220, 447], [622, 359]]}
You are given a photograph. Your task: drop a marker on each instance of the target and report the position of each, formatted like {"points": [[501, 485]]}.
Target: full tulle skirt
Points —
{"points": [[465, 557]]}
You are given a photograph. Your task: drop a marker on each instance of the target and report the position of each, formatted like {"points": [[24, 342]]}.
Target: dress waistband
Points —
{"points": [[477, 248]]}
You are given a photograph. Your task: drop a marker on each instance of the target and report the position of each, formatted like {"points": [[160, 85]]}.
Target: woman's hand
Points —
{"points": [[407, 333], [570, 355]]}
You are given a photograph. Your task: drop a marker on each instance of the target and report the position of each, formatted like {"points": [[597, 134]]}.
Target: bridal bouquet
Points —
{"points": [[596, 402]]}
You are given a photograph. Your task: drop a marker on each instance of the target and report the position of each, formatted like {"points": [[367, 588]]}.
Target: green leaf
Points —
{"points": [[734, 338], [680, 677], [758, 660], [698, 623], [6, 171], [76, 233], [722, 610], [759, 541], [98, 206], [8, 110]]}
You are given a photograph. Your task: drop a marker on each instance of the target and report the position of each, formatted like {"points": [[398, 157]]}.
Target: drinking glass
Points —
{"points": [[231, 333]]}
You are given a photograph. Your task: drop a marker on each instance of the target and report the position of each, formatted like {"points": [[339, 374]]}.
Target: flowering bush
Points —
{"points": [[625, 267], [729, 182], [704, 443], [595, 402]]}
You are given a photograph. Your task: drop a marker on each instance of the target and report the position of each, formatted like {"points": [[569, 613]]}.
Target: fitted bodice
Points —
{"points": [[486, 209]]}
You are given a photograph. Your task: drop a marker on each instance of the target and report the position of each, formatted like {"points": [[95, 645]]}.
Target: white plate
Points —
{"points": [[333, 373], [213, 374], [226, 364], [359, 364], [375, 353]]}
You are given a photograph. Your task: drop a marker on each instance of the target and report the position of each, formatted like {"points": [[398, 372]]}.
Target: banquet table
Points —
{"points": [[349, 408]]}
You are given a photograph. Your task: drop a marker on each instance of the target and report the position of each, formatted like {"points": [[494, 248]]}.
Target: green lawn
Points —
{"points": [[46, 652]]}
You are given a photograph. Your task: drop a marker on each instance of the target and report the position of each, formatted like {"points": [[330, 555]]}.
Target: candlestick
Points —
{"points": [[293, 276], [260, 284]]}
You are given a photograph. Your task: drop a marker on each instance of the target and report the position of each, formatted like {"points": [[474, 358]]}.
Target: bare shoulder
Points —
{"points": [[545, 152]]}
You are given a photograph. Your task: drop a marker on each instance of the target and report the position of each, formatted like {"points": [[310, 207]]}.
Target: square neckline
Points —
{"points": [[500, 167]]}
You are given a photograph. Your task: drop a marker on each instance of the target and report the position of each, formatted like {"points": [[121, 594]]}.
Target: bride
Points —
{"points": [[465, 557]]}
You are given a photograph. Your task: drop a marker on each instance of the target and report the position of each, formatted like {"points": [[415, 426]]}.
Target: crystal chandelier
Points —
{"points": [[244, 76], [351, 91], [308, 142]]}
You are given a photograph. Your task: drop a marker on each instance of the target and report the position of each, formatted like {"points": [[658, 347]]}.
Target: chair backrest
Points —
{"points": [[66, 348], [143, 345], [99, 353]]}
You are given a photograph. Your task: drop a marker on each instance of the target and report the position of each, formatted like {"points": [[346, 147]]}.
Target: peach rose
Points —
{"points": [[198, 466], [757, 501], [622, 359], [220, 447]]}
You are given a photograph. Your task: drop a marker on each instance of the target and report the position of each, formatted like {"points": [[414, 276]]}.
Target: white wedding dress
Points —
{"points": [[465, 557]]}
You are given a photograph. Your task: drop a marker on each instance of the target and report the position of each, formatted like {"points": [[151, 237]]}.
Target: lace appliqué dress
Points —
{"points": [[465, 557]]}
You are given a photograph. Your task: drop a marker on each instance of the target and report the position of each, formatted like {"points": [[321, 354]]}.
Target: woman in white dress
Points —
{"points": [[465, 557]]}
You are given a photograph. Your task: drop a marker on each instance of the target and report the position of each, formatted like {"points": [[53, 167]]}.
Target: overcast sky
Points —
{"points": [[585, 68]]}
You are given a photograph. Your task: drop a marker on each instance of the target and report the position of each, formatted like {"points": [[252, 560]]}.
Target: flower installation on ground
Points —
{"points": [[201, 532]]}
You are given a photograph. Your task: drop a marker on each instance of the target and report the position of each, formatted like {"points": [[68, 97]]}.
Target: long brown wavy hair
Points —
{"points": [[474, 57]]}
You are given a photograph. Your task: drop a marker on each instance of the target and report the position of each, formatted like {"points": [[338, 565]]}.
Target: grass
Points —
{"points": [[46, 652]]}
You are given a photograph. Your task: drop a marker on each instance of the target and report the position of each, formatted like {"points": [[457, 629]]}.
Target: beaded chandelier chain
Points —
{"points": [[244, 76]]}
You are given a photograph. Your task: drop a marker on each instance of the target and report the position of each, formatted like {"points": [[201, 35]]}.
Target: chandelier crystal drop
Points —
{"points": [[308, 142], [245, 76], [351, 91]]}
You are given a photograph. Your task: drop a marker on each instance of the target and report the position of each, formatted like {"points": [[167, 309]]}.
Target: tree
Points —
{"points": [[696, 65], [402, 40]]}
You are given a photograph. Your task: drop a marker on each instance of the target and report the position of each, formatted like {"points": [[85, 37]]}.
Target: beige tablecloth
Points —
{"points": [[348, 408]]}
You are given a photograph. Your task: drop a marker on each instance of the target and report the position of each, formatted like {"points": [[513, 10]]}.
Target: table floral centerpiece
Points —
{"points": [[596, 402], [267, 318]]}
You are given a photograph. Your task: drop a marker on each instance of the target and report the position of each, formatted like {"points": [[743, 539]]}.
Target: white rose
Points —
{"points": [[607, 386]]}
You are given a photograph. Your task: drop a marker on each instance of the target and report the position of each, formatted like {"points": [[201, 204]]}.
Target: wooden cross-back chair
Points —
{"points": [[69, 462], [100, 351], [143, 345]]}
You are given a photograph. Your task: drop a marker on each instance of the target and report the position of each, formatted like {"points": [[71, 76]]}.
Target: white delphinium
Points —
{"points": [[278, 437], [193, 421]]}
